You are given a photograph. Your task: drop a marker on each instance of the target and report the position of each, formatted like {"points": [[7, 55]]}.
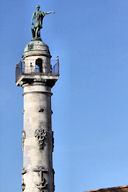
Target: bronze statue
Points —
{"points": [[38, 17]]}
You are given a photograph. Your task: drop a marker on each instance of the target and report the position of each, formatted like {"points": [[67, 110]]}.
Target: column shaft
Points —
{"points": [[37, 138]]}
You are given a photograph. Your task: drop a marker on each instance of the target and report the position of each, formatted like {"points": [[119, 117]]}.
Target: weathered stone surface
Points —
{"points": [[36, 48], [37, 135]]}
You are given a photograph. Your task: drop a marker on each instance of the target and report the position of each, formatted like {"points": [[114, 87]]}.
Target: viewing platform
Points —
{"points": [[38, 72]]}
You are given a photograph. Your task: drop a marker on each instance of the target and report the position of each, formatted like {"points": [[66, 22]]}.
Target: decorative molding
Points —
{"points": [[23, 138], [40, 92], [40, 134]]}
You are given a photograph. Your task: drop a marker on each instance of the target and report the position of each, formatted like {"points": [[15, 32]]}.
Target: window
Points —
{"points": [[39, 65]]}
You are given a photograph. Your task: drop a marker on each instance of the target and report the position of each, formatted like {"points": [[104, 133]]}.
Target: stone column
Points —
{"points": [[37, 138], [36, 76]]}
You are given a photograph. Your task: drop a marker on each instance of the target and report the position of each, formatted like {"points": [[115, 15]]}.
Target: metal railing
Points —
{"points": [[33, 70]]}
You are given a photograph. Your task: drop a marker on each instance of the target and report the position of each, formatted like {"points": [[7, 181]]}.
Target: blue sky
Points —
{"points": [[90, 100]]}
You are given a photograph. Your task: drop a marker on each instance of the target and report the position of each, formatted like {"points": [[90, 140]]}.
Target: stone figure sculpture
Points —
{"points": [[37, 25]]}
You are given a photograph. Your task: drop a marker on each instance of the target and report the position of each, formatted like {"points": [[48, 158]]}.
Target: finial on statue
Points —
{"points": [[38, 17]]}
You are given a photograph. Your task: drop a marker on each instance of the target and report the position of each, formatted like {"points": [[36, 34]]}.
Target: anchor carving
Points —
{"points": [[43, 184]]}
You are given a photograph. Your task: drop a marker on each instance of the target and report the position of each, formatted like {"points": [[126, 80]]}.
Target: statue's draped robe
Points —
{"points": [[38, 19]]}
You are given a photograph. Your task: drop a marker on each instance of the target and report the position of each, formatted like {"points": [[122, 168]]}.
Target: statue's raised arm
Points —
{"points": [[50, 12], [37, 17]]}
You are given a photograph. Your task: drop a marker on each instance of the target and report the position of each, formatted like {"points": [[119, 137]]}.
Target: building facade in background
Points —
{"points": [[112, 189]]}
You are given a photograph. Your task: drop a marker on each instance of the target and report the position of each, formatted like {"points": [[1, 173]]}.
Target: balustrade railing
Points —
{"points": [[33, 70]]}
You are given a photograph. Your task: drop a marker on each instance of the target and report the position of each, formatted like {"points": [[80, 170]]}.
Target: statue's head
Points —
{"points": [[38, 7]]}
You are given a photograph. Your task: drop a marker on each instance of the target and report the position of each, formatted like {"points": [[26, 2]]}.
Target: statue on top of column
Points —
{"points": [[37, 25]]}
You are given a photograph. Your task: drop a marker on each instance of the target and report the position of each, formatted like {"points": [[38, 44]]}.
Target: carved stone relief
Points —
{"points": [[23, 185], [23, 171], [41, 110], [40, 134], [43, 183], [23, 138], [40, 170]]}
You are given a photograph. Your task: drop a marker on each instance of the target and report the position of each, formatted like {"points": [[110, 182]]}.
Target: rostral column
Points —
{"points": [[36, 75]]}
